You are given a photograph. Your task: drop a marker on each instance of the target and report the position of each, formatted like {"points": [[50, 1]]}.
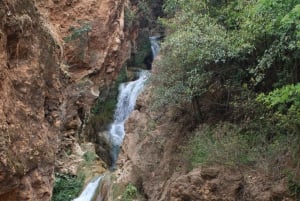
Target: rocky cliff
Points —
{"points": [[55, 58]]}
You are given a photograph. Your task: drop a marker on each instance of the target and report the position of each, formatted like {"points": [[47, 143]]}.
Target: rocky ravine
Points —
{"points": [[55, 56], [152, 159]]}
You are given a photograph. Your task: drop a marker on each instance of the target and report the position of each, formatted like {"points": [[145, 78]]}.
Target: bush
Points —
{"points": [[78, 32], [284, 103], [129, 17], [257, 144], [67, 187], [294, 186], [130, 193], [89, 157], [282, 99], [102, 113], [220, 144]]}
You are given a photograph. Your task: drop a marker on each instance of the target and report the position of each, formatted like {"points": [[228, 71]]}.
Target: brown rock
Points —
{"points": [[210, 173], [43, 103]]}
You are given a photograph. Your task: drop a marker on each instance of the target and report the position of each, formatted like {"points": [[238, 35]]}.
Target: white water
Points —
{"points": [[89, 190], [128, 93], [154, 45]]}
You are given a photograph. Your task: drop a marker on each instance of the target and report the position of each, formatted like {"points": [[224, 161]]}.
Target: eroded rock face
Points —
{"points": [[93, 36], [207, 184], [30, 99], [95, 46], [55, 57]]}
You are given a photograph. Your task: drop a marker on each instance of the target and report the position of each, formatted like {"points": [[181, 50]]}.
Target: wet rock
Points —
{"points": [[103, 147]]}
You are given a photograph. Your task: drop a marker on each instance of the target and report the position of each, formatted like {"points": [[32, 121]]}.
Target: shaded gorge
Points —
{"points": [[109, 142]]}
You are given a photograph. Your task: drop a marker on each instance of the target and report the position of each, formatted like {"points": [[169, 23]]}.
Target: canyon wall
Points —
{"points": [[56, 56]]}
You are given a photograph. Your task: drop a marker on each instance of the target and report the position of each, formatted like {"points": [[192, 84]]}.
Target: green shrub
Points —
{"points": [[282, 99], [78, 32], [130, 193], [284, 103], [67, 187], [89, 157], [257, 144], [104, 108], [129, 17], [108, 98], [294, 186], [253, 43], [220, 144]]}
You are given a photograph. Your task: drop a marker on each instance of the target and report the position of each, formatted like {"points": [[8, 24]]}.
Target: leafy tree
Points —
{"points": [[231, 44], [218, 57]]}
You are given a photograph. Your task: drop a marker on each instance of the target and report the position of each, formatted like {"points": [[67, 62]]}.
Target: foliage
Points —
{"points": [[130, 193], [78, 32], [104, 108], [252, 144], [192, 55], [282, 99], [228, 43], [206, 147], [138, 14], [225, 54], [275, 25], [66, 187], [129, 17], [294, 186], [285, 104], [145, 13], [143, 51], [89, 156], [106, 103]]}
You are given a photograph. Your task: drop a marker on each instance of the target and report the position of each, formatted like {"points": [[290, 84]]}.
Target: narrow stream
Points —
{"points": [[128, 93]]}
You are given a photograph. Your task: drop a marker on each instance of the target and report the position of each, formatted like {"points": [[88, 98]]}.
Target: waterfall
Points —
{"points": [[154, 45], [89, 190], [128, 93]]}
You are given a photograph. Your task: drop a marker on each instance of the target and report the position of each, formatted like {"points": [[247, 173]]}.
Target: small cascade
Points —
{"points": [[154, 45], [128, 93], [90, 190]]}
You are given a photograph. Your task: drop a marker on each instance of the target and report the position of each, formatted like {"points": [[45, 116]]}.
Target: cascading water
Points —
{"points": [[128, 93], [154, 45], [89, 190]]}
